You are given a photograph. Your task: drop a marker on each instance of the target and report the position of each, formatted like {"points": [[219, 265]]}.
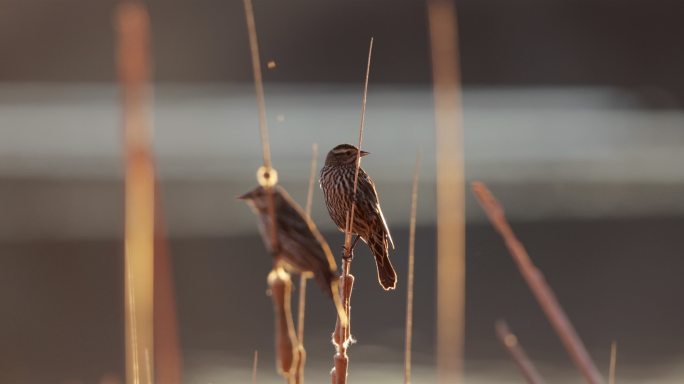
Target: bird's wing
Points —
{"points": [[367, 187], [294, 221]]}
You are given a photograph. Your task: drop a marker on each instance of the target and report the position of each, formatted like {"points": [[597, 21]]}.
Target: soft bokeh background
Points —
{"points": [[573, 113]]}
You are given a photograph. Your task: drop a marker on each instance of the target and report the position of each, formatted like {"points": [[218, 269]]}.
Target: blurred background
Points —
{"points": [[573, 114]]}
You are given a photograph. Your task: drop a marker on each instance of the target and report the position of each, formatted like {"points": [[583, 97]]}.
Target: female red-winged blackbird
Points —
{"points": [[302, 248], [337, 182]]}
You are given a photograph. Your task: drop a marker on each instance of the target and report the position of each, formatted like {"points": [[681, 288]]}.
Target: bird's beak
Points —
{"points": [[364, 153], [246, 196]]}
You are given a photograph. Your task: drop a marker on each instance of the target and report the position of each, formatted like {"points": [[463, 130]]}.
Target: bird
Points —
{"points": [[337, 182], [301, 247]]}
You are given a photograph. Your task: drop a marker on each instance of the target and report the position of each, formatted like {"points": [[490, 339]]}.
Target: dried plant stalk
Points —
{"points": [[510, 342], [148, 365], [279, 280], [255, 362], [301, 351], [312, 179], [342, 335], [411, 261], [133, 362], [299, 373], [286, 338], [450, 190], [266, 175], [535, 280], [167, 360], [258, 82], [613, 362], [132, 24]]}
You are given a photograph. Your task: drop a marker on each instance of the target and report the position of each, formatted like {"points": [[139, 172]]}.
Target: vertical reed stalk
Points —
{"points": [[266, 175], [299, 372], [132, 24], [255, 363], [613, 362], [279, 280], [342, 334], [411, 262], [450, 190], [167, 357]]}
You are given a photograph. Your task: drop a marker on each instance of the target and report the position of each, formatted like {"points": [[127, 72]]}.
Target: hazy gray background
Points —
{"points": [[572, 113]]}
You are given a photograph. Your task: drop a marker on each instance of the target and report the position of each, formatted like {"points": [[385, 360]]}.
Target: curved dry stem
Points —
{"points": [[301, 351], [286, 338]]}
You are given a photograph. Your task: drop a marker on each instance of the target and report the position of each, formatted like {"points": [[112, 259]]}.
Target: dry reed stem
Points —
{"points": [[299, 373], [167, 360], [132, 345], [312, 178], [301, 351], [535, 279], [148, 365], [342, 335], [286, 338], [613, 362], [510, 342], [258, 82], [266, 175], [109, 378], [255, 362], [281, 285], [132, 24], [411, 262], [450, 190]]}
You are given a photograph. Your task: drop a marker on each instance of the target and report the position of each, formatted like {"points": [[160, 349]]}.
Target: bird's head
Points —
{"points": [[343, 154], [257, 198]]}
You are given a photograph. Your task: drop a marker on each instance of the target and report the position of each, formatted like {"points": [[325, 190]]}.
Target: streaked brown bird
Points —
{"points": [[302, 248], [337, 182]]}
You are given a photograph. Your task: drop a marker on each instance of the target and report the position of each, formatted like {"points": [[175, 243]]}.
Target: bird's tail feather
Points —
{"points": [[386, 274]]}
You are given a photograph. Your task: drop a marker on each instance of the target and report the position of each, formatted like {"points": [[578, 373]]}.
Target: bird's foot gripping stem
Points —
{"points": [[349, 253]]}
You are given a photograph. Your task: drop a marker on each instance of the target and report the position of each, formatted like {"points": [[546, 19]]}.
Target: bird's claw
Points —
{"points": [[347, 254]]}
